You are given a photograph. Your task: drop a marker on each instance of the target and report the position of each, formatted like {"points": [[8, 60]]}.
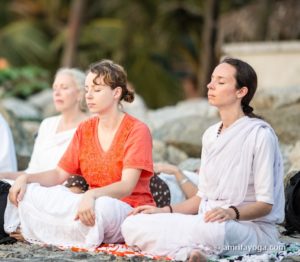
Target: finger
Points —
{"points": [[88, 218], [148, 211], [13, 198], [215, 217], [76, 216], [20, 196]]}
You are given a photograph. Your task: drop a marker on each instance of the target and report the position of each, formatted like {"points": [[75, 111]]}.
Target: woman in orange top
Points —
{"points": [[112, 151]]}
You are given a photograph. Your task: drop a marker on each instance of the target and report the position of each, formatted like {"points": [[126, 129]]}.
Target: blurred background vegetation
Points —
{"points": [[159, 42]]}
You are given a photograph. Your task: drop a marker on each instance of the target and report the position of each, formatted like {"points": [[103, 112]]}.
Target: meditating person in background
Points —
{"points": [[240, 192], [55, 133], [112, 151], [171, 185], [8, 160]]}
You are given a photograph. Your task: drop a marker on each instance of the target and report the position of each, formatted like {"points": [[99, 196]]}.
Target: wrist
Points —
{"points": [[91, 193], [167, 209], [235, 212]]}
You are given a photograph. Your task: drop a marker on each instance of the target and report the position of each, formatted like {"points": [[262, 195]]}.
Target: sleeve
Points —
{"points": [[263, 166], [7, 152], [138, 148], [70, 159], [33, 163]]}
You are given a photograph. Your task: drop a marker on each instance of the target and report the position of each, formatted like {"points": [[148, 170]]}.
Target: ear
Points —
{"points": [[117, 92], [240, 93]]}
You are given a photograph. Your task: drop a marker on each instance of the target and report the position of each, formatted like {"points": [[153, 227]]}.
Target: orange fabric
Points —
{"points": [[130, 148]]}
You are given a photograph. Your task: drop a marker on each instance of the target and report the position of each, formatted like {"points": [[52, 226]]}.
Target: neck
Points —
{"points": [[71, 118], [111, 120], [229, 117]]}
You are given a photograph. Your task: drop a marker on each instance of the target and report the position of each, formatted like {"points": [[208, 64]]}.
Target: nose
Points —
{"points": [[88, 93], [210, 85], [56, 92]]}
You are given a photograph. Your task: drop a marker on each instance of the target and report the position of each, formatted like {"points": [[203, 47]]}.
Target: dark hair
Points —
{"points": [[245, 77], [114, 76]]}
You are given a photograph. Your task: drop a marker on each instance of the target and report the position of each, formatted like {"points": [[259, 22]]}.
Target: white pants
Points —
{"points": [[47, 216], [176, 235]]}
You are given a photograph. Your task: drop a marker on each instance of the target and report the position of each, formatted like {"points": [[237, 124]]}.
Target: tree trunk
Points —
{"points": [[74, 25], [208, 55], [264, 12]]}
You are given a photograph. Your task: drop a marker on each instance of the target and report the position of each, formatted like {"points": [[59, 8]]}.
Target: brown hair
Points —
{"points": [[114, 76], [245, 76]]}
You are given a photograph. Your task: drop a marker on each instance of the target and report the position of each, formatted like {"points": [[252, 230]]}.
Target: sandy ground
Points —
{"points": [[27, 252]]}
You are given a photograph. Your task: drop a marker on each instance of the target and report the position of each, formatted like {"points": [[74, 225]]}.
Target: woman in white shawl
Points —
{"points": [[240, 192], [56, 132]]}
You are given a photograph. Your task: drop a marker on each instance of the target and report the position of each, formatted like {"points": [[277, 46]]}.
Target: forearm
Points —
{"points": [[189, 206], [11, 175], [254, 210], [187, 186], [116, 190], [48, 178]]}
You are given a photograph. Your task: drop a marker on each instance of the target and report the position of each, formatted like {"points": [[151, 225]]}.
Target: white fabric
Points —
{"points": [[49, 145], [47, 217], [243, 165], [48, 148], [8, 162], [177, 195], [253, 172]]}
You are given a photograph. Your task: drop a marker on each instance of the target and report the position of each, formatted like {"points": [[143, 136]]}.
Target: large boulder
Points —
{"points": [[185, 133], [21, 109], [276, 97], [285, 121]]}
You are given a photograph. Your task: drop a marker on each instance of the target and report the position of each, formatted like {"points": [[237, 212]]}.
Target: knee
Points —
{"points": [[128, 226]]}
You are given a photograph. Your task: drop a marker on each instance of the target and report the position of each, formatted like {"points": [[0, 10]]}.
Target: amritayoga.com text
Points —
{"points": [[251, 248]]}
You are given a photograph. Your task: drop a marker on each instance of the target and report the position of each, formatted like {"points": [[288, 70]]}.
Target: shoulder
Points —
{"points": [[212, 130], [137, 125], [50, 121], [266, 135], [88, 123]]}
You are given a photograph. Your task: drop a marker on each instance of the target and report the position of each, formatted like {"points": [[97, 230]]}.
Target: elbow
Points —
{"points": [[267, 209]]}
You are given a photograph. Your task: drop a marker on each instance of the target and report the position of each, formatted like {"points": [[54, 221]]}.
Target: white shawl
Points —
{"points": [[227, 164]]}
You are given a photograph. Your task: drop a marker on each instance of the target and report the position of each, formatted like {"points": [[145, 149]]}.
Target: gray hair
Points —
{"points": [[77, 75], [79, 79]]}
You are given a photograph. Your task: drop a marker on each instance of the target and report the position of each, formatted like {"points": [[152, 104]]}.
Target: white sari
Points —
{"points": [[243, 165]]}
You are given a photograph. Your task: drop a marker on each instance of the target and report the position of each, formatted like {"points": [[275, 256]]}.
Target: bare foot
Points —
{"points": [[197, 256]]}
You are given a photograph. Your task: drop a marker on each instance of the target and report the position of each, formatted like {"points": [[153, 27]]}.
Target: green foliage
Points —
{"points": [[24, 81]]}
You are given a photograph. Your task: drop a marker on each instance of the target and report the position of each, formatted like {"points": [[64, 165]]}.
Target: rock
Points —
{"points": [[21, 109], [294, 157], [276, 97], [137, 108], [285, 121], [175, 156], [190, 164], [159, 151], [44, 102], [185, 133], [194, 107]]}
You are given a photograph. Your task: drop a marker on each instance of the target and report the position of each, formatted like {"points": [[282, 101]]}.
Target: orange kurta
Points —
{"points": [[130, 148]]}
